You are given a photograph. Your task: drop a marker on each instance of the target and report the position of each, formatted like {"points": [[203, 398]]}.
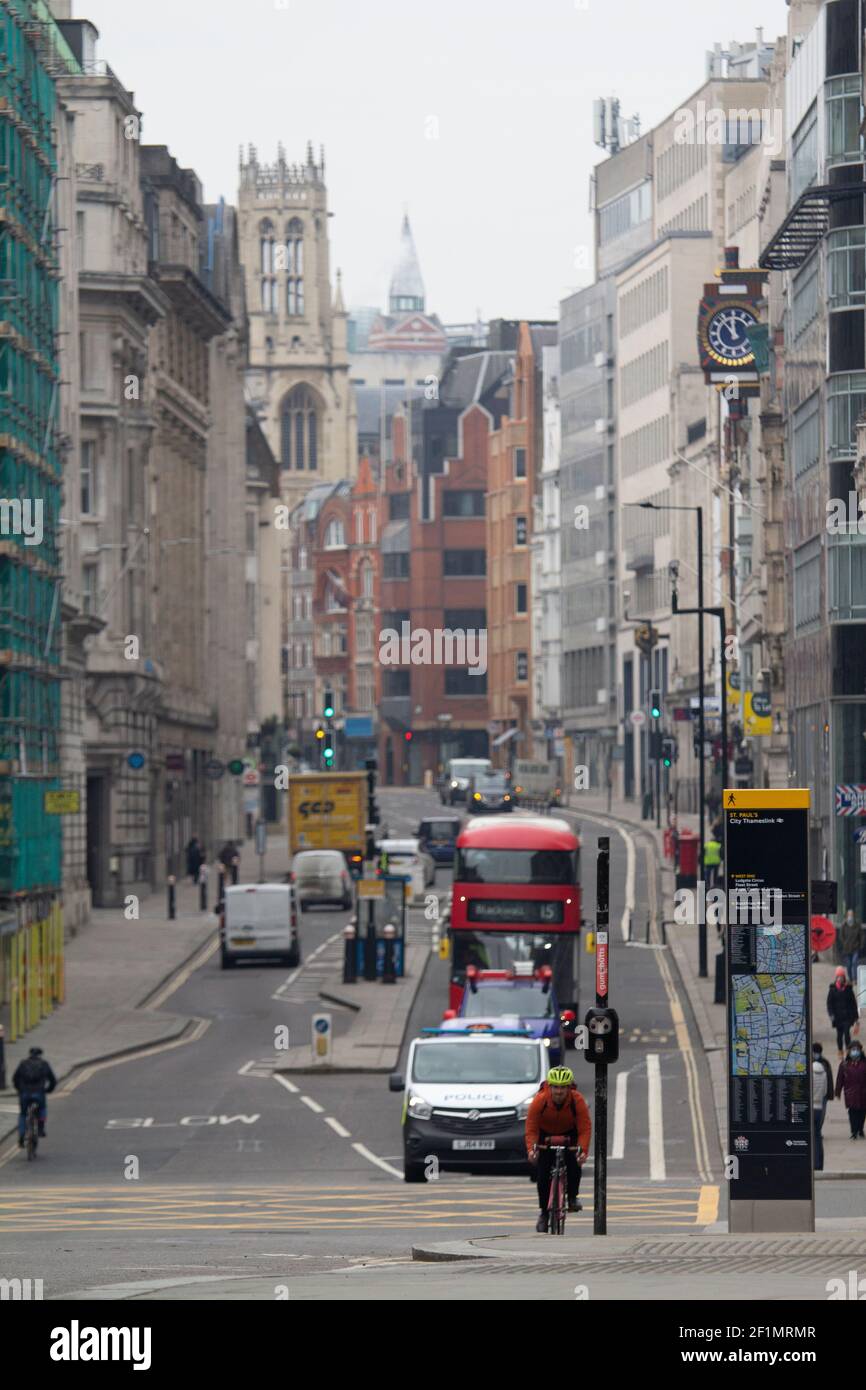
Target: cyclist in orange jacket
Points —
{"points": [[557, 1109]]}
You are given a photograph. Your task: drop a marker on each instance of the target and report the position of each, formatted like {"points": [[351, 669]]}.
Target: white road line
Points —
{"points": [[313, 1104], [289, 1085], [379, 1162], [658, 1172], [619, 1107], [246, 1068], [337, 1127]]}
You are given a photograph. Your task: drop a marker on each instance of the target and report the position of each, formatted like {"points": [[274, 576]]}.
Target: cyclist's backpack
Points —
{"points": [[32, 1073]]}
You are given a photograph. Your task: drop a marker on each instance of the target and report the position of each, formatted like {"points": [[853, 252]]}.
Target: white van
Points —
{"points": [[258, 921], [459, 773]]}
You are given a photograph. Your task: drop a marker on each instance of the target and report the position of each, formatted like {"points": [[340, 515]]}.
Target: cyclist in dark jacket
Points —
{"points": [[842, 1008], [33, 1079]]}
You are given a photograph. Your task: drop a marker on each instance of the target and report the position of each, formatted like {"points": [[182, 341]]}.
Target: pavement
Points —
{"points": [[843, 1157]]}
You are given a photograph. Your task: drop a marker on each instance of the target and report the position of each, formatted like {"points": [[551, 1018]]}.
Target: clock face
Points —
{"points": [[728, 334]]}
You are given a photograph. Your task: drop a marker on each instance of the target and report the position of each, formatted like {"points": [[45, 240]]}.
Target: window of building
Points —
{"points": [[846, 574], [299, 430], [804, 153], [334, 602], [625, 212], [804, 296], [269, 296], [520, 530], [459, 680], [295, 267], [364, 688], [396, 684], [89, 588], [366, 575], [464, 563], [363, 632], [297, 607], [520, 600], [464, 503], [521, 666], [359, 526], [335, 536], [308, 607], [303, 557], [846, 401], [266, 246], [464, 619], [846, 268], [520, 463], [398, 506], [806, 435], [807, 585], [89, 494], [842, 95], [374, 526], [395, 565]]}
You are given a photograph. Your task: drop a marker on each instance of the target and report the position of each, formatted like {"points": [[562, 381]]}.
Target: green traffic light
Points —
{"points": [[328, 753], [329, 711]]}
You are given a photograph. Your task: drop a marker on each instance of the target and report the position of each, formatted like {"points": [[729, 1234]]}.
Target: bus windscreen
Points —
{"points": [[529, 867]]}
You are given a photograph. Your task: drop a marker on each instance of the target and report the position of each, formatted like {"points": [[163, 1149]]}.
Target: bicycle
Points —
{"points": [[31, 1129], [557, 1202]]}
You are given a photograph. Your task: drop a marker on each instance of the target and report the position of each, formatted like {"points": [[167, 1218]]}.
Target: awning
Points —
{"points": [[503, 738]]}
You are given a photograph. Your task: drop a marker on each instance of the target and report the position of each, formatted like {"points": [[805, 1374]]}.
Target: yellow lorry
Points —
{"points": [[328, 810]]}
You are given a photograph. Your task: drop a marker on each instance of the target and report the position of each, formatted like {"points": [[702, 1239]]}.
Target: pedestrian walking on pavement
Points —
{"points": [[227, 854], [818, 1056], [194, 857], [850, 934], [712, 861], [820, 1090], [852, 1081], [842, 1008]]}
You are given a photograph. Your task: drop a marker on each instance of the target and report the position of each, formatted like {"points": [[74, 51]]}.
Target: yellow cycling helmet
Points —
{"points": [[560, 1076]]}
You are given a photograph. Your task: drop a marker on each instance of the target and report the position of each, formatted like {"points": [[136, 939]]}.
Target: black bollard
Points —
{"points": [[350, 956], [389, 964], [221, 885], [172, 907], [235, 863], [202, 888]]}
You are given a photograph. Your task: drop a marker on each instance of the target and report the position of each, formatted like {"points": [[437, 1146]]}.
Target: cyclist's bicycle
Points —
{"points": [[31, 1129], [557, 1202]]}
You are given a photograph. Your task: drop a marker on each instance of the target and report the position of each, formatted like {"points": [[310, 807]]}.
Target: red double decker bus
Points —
{"points": [[516, 897]]}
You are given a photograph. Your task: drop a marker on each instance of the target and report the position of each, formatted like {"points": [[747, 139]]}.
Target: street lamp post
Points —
{"points": [[701, 611]]}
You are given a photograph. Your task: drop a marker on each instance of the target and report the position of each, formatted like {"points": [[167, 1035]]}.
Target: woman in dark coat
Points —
{"points": [[194, 857], [842, 1008], [852, 1080]]}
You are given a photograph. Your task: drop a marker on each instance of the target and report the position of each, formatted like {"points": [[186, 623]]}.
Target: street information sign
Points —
{"points": [[768, 1009]]}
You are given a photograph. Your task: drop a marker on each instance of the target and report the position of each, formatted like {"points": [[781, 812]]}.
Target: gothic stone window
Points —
{"points": [[268, 283], [295, 267], [299, 430]]}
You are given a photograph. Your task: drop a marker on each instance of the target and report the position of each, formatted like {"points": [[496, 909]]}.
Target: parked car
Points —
{"points": [[437, 836], [491, 793], [321, 876], [257, 921]]}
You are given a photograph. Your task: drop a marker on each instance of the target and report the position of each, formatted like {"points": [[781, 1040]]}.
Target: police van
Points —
{"points": [[465, 1099]]}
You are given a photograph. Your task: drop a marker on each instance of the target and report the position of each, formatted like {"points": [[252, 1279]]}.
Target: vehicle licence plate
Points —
{"points": [[473, 1143], [243, 941]]}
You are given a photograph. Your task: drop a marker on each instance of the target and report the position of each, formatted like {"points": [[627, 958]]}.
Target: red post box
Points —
{"points": [[687, 859]]}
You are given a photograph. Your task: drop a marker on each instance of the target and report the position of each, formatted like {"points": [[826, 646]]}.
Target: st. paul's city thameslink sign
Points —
{"points": [[769, 1052]]}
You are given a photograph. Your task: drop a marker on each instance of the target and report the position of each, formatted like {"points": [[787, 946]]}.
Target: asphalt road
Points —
{"points": [[191, 1170]]}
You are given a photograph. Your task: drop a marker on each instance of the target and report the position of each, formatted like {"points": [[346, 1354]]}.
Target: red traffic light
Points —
{"points": [[408, 735]]}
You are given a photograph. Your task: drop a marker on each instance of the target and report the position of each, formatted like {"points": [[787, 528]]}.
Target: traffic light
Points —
{"points": [[328, 711], [655, 702], [328, 755], [645, 637], [669, 751], [320, 733], [408, 735]]}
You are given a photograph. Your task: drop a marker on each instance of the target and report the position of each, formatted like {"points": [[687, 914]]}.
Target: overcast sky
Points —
{"points": [[498, 198]]}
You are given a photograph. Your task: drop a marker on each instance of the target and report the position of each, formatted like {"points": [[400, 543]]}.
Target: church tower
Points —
{"points": [[298, 381]]}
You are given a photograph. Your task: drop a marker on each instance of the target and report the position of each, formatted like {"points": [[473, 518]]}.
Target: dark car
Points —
{"points": [[491, 793], [437, 836]]}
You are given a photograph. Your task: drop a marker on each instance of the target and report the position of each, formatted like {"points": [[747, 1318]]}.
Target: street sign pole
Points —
{"points": [[602, 978]]}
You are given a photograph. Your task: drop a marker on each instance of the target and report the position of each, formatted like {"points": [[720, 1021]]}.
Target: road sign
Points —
{"points": [[371, 888], [135, 761], [236, 767], [214, 769], [251, 777], [851, 799], [637, 717], [769, 1054], [62, 803], [321, 1033]]}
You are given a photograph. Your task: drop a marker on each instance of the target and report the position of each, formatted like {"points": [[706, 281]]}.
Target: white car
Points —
{"points": [[407, 858], [321, 876], [466, 1096], [259, 920]]}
